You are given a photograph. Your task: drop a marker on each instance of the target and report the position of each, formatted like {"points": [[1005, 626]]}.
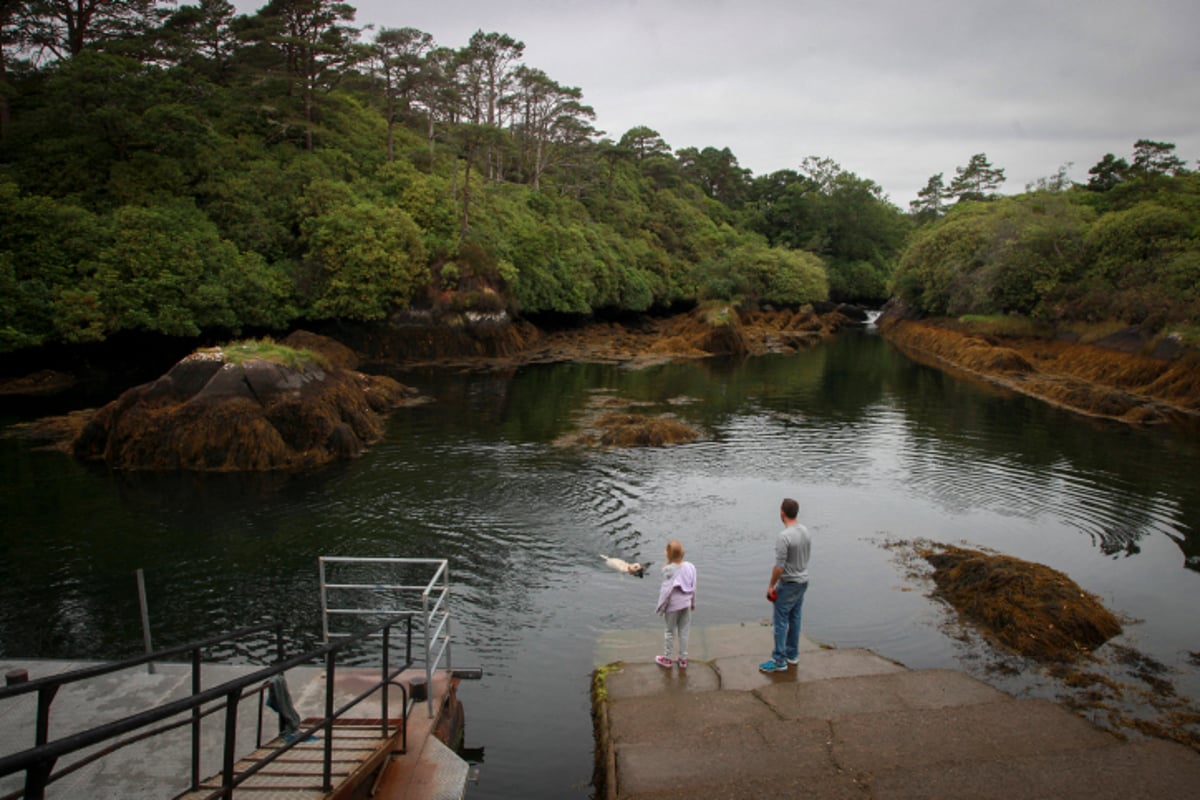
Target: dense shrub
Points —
{"points": [[1052, 256]]}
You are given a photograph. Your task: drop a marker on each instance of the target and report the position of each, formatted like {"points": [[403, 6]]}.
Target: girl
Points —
{"points": [[676, 602]]}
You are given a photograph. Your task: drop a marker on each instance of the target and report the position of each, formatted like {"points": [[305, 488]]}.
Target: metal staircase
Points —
{"points": [[358, 730]]}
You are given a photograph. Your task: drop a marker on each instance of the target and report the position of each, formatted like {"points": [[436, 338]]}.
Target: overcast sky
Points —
{"points": [[893, 90]]}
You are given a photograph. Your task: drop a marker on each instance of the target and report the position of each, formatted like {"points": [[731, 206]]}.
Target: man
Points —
{"points": [[789, 582]]}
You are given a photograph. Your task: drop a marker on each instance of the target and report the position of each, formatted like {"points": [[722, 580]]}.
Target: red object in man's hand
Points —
{"points": [[772, 594]]}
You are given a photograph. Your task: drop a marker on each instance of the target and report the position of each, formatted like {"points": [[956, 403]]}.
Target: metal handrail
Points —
{"points": [[435, 613], [47, 687], [38, 761], [96, 670]]}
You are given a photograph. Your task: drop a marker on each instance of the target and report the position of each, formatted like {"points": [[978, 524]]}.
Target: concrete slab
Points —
{"points": [[740, 673], [895, 691], [1117, 772], [697, 759], [847, 723], [641, 680], [664, 717], [706, 643], [836, 787], [867, 743]]}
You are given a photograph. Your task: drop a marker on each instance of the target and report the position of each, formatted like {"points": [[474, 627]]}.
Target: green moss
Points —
{"points": [[600, 681], [1004, 325], [267, 349]]}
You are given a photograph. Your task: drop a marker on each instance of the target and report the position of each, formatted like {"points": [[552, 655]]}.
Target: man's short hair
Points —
{"points": [[790, 508]]}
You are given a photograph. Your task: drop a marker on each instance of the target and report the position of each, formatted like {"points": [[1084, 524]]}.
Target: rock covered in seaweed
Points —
{"points": [[1025, 607], [211, 412]]}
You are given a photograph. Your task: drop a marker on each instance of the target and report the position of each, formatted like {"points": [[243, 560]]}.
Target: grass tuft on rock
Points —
{"points": [[267, 349]]}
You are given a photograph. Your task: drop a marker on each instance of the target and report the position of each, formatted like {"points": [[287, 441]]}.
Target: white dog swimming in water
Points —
{"points": [[621, 565]]}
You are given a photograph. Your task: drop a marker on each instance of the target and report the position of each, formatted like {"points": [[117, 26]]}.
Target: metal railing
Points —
{"points": [[433, 594], [39, 761], [47, 688]]}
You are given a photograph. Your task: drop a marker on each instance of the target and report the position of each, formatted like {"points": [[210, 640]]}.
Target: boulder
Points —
{"points": [[211, 414]]}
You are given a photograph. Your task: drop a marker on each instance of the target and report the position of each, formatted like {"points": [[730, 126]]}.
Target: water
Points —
{"points": [[874, 447]]}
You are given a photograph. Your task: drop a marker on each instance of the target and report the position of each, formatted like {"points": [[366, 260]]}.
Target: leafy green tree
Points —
{"points": [[1058, 182], [1012, 256], [14, 41], [428, 200], [822, 172], [1155, 158], [166, 270], [489, 63], [717, 173], [782, 209], [97, 114], [978, 180], [316, 45], [437, 93], [931, 200], [843, 218], [486, 72], [202, 38], [1143, 266], [399, 56], [363, 258], [551, 121], [36, 269], [474, 142], [754, 271], [64, 28], [1107, 173], [644, 143]]}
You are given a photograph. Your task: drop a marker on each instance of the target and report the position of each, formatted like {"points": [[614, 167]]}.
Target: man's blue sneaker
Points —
{"points": [[771, 666]]}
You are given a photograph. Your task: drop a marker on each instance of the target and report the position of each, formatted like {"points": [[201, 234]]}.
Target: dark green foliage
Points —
{"points": [[246, 171], [754, 271], [190, 169], [978, 180], [167, 270], [362, 257], [44, 247], [1053, 256], [841, 217]]}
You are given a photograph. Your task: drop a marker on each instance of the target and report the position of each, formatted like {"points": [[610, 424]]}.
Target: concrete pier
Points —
{"points": [[847, 724]]}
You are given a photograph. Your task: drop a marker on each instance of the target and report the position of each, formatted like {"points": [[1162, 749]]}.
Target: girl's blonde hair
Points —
{"points": [[674, 550]]}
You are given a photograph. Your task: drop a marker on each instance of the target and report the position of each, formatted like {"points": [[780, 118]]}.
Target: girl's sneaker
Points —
{"points": [[683, 663], [662, 661]]}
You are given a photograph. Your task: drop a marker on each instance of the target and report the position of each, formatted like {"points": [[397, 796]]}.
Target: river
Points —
{"points": [[876, 449]]}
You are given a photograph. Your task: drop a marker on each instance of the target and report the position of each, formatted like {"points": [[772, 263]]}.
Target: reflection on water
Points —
{"points": [[873, 446]]}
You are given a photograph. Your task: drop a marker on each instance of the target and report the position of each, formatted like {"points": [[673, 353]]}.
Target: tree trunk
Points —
{"points": [[466, 206], [431, 139]]}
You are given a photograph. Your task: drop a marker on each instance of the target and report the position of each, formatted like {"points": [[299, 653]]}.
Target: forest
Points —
{"points": [[187, 170]]}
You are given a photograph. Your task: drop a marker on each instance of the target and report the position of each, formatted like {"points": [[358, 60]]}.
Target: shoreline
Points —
{"points": [[1087, 379]]}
